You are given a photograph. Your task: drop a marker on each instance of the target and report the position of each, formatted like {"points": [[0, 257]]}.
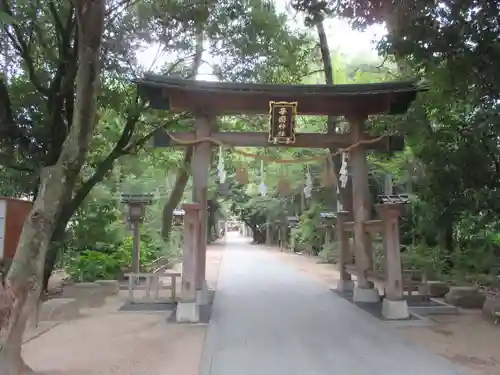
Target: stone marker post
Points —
{"points": [[188, 311], [345, 283], [394, 306]]}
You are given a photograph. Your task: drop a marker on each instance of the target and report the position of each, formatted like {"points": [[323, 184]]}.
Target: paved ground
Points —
{"points": [[270, 319], [106, 341]]}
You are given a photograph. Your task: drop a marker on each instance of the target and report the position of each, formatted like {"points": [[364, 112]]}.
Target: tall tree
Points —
{"points": [[21, 288]]}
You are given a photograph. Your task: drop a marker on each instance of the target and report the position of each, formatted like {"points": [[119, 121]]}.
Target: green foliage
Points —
{"points": [[93, 265], [424, 258], [329, 252], [308, 234], [249, 41], [110, 262]]}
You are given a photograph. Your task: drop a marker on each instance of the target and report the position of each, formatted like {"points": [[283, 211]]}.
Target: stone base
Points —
{"points": [[395, 310], [366, 295], [202, 294], [345, 286], [187, 312]]}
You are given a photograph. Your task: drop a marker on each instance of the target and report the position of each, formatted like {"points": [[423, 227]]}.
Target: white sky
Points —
{"points": [[341, 38]]}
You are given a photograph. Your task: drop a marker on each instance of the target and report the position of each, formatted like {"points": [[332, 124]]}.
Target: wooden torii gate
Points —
{"points": [[207, 100]]}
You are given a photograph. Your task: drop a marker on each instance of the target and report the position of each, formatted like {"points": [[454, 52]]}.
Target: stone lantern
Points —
{"points": [[136, 212], [178, 217], [327, 222], [292, 221]]}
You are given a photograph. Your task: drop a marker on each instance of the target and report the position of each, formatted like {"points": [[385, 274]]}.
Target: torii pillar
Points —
{"points": [[364, 290], [202, 156]]}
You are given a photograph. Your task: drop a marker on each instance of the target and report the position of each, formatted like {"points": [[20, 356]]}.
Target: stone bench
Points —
{"points": [[86, 294], [109, 287], [58, 309]]}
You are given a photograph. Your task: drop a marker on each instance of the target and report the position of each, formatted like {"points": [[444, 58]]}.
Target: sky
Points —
{"points": [[341, 38]]}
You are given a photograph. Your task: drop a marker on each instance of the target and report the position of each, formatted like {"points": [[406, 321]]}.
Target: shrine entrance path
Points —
{"points": [[270, 319]]}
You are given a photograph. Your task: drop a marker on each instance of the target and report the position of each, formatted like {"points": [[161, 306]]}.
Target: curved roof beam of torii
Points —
{"points": [[177, 94]]}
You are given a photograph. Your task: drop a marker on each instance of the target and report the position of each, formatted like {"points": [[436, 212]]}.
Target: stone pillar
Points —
{"points": [[200, 165], [345, 284], [394, 306], [187, 309], [136, 252], [364, 291]]}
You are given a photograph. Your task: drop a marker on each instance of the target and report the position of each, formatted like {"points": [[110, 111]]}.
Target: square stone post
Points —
{"points": [[364, 290], [202, 156], [394, 306], [268, 232], [187, 308], [345, 284]]}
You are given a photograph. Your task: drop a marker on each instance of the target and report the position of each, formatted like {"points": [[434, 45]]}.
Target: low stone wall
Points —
{"points": [[86, 294], [109, 287], [434, 289], [59, 309]]}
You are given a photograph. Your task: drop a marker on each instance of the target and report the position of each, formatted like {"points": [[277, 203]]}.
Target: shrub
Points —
{"points": [[329, 252]]}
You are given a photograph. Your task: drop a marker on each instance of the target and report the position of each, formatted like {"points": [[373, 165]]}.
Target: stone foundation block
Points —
{"points": [[395, 310], [187, 312]]}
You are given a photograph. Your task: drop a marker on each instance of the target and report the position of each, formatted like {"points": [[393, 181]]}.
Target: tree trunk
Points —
{"points": [[391, 18], [11, 361], [325, 55], [212, 226], [176, 194], [183, 173], [56, 242], [258, 237], [445, 242], [345, 193], [20, 291]]}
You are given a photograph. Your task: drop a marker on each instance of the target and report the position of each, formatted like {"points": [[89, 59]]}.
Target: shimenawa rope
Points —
{"points": [[271, 159]]}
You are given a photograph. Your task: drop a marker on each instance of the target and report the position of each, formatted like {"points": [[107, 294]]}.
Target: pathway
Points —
{"points": [[269, 319]]}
